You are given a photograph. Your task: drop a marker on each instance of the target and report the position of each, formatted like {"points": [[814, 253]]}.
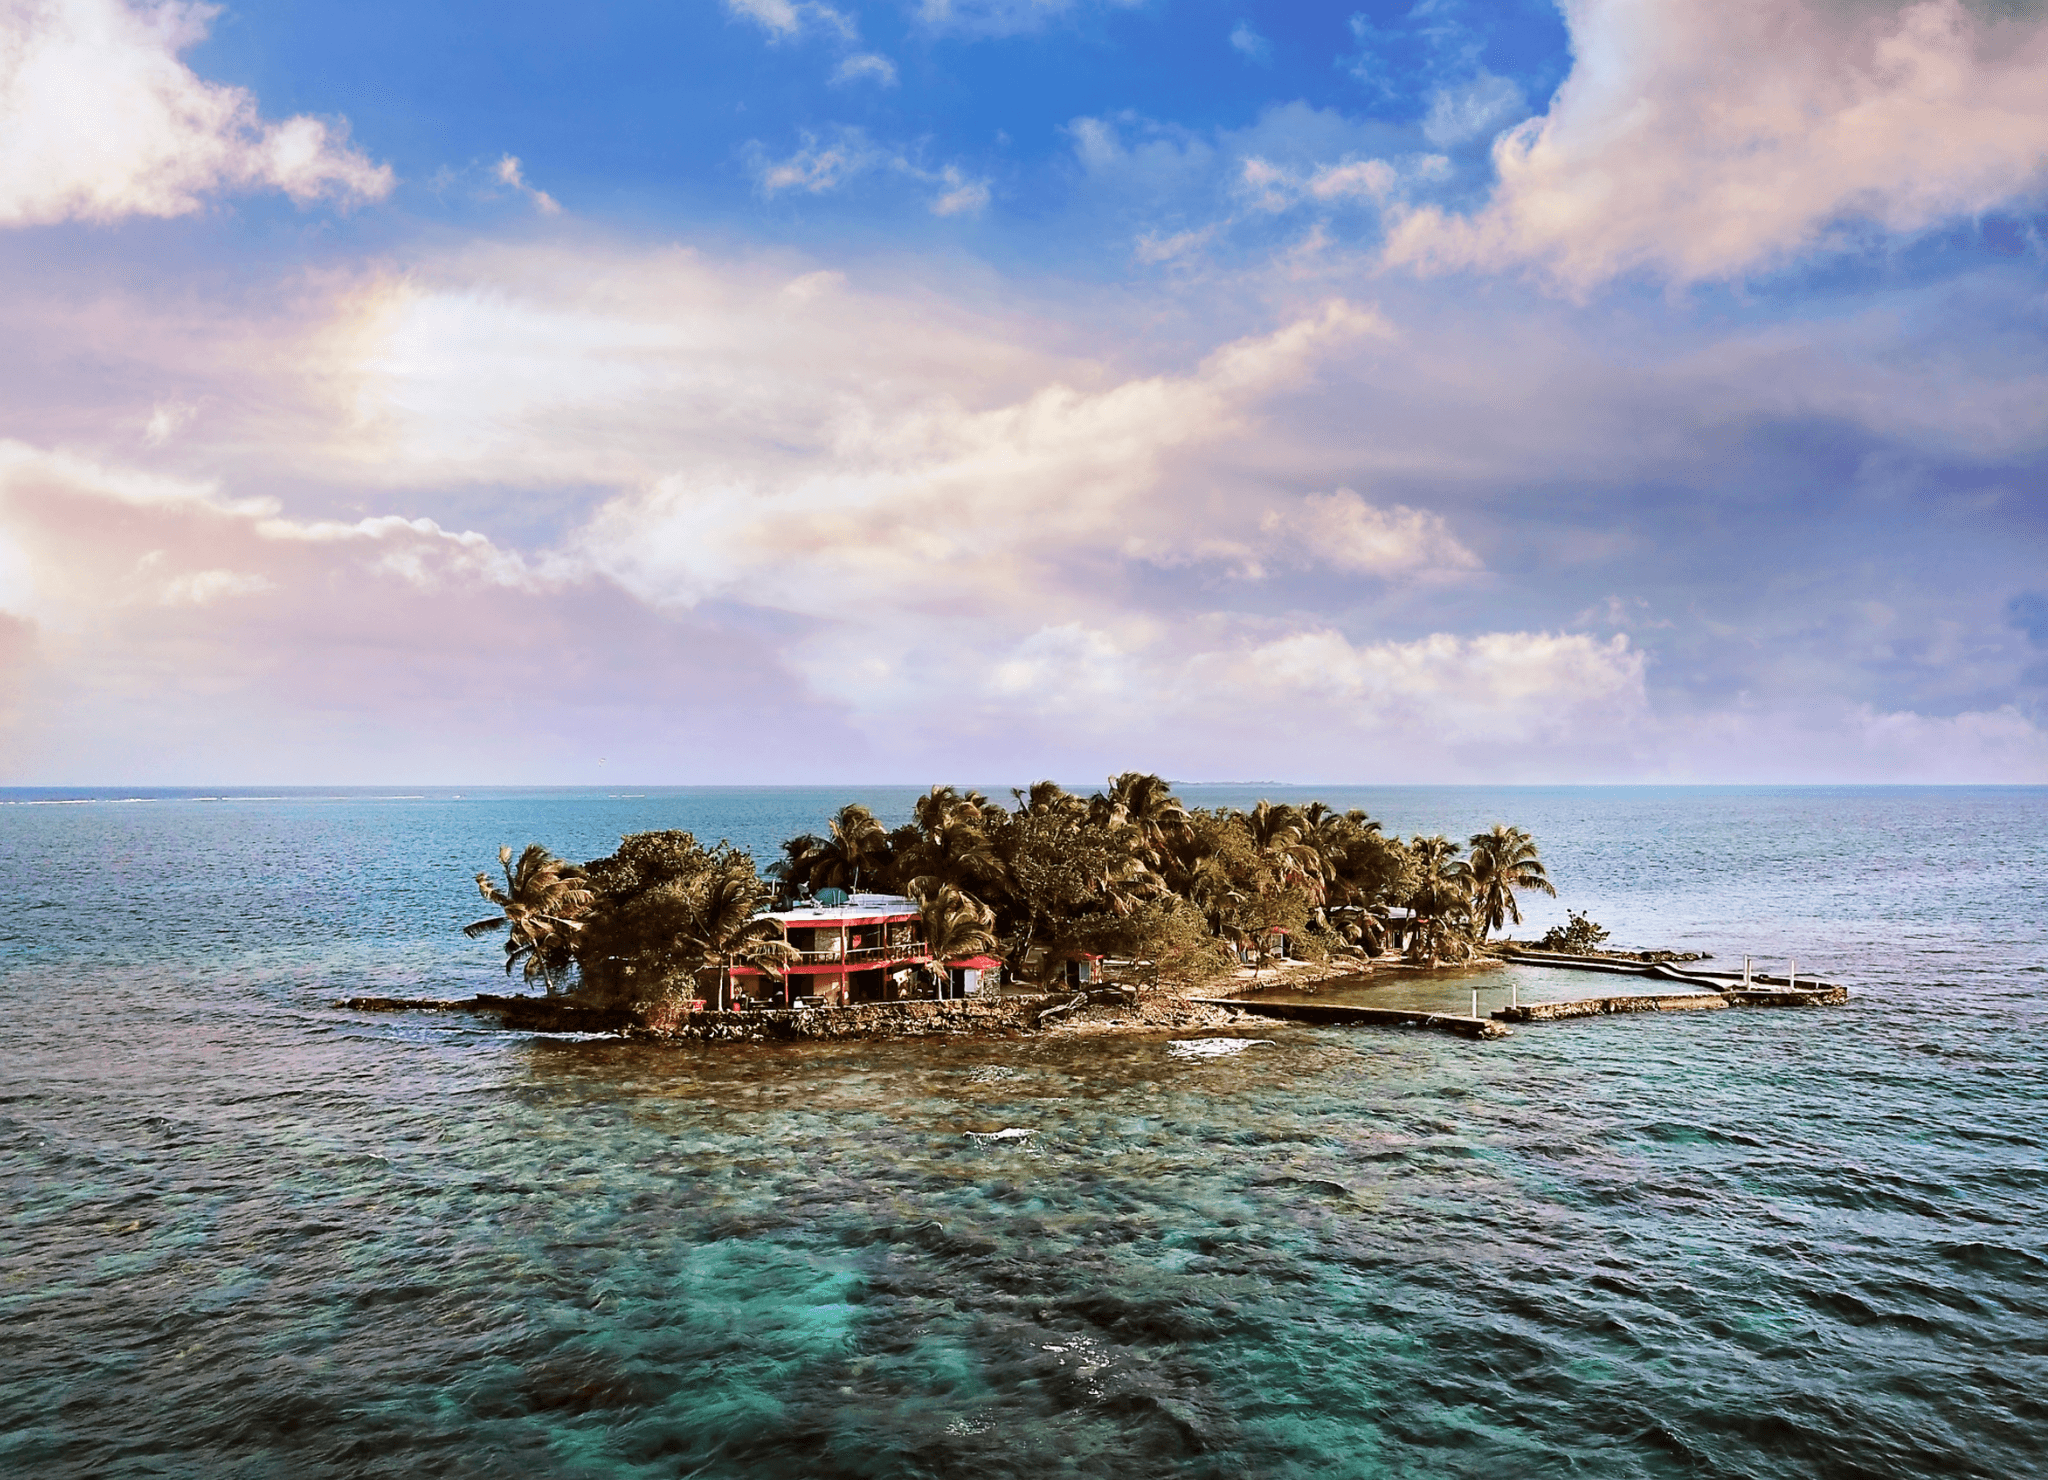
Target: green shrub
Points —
{"points": [[1581, 937]]}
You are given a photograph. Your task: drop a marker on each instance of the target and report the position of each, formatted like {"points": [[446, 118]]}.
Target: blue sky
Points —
{"points": [[786, 391]]}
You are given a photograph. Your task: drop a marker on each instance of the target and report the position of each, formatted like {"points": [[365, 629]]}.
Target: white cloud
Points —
{"points": [[777, 16], [866, 66], [1002, 17], [1501, 688], [1273, 188], [786, 18], [1477, 106], [199, 587], [1964, 747], [961, 196], [927, 526], [1343, 531], [1249, 44], [1371, 178], [509, 173], [166, 420], [821, 165], [55, 505], [1134, 158], [1705, 139], [100, 120], [932, 506], [818, 166], [1151, 248]]}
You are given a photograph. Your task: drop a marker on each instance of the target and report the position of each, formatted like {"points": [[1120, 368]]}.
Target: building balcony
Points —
{"points": [[864, 958]]}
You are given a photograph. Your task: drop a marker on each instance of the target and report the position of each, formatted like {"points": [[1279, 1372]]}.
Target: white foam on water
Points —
{"points": [[1210, 1048], [1010, 1133]]}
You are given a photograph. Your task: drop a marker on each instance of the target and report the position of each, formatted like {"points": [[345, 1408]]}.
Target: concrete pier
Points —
{"points": [[1339, 1014], [1670, 971], [1550, 1012]]}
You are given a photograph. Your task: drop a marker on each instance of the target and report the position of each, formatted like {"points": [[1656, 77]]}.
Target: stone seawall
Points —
{"points": [[1550, 1012], [994, 1017], [986, 1017]]}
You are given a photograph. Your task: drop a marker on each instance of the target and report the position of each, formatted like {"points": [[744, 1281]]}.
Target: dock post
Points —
{"points": [[1475, 1002], [1745, 973], [1792, 977], [1514, 991]]}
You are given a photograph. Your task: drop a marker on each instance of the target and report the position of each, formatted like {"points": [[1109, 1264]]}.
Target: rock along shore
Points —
{"points": [[1107, 1010]]}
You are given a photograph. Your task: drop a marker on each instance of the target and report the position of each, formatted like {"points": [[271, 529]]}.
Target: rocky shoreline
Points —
{"points": [[1165, 1007], [1008, 1015]]}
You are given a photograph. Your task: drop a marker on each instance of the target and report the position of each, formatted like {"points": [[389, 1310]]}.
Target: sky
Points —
{"points": [[755, 391]]}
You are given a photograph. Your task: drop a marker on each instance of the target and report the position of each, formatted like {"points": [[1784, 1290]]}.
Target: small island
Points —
{"points": [[999, 916], [1124, 910]]}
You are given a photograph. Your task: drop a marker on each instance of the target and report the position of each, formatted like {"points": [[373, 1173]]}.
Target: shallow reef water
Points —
{"points": [[249, 1234]]}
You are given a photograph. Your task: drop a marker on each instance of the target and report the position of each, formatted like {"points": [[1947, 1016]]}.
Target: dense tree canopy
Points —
{"points": [[1130, 871]]}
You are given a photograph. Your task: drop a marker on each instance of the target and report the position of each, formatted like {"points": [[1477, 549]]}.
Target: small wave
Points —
{"points": [[1008, 1133], [1211, 1048]]}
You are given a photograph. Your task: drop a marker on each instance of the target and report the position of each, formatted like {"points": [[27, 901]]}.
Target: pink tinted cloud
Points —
{"points": [[1705, 139], [161, 631], [809, 527]]}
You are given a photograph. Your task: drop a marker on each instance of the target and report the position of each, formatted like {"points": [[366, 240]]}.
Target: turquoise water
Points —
{"points": [[249, 1234]]}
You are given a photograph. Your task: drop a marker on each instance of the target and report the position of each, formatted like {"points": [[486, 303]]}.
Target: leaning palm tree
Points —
{"points": [[1049, 799], [1144, 802], [541, 910], [955, 926], [1504, 860], [722, 930]]}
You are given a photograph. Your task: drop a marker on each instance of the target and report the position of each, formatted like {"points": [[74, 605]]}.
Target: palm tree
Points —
{"points": [[723, 930], [1049, 799], [793, 870], [1145, 802], [541, 910], [952, 846], [858, 845], [1504, 860], [1441, 900], [1330, 836], [1280, 836], [955, 926]]}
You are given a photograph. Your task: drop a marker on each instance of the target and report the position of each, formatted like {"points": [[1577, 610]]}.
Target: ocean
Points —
{"points": [[251, 1234]]}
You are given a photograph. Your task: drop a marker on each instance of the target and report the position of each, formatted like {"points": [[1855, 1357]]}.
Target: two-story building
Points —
{"points": [[865, 949]]}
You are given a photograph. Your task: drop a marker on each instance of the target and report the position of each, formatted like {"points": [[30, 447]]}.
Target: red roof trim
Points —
{"points": [[807, 920]]}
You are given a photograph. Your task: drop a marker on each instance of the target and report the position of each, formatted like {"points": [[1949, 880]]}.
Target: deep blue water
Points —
{"points": [[249, 1234]]}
